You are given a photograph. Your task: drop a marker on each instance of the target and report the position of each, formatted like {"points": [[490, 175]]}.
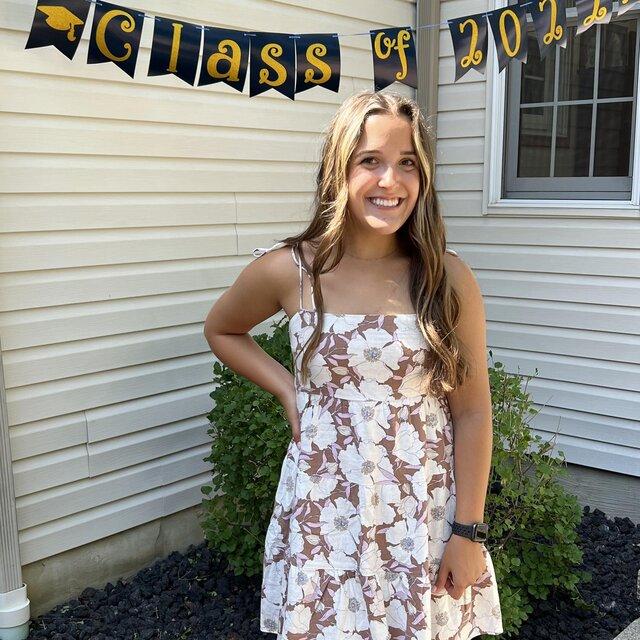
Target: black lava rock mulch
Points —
{"points": [[196, 597]]}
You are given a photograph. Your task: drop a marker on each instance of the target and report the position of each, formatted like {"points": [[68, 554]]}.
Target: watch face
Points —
{"points": [[480, 532]]}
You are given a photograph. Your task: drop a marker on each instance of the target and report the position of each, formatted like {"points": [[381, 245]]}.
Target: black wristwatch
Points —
{"points": [[477, 531]]}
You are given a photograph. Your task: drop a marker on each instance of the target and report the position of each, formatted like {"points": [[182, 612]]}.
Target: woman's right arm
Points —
{"points": [[253, 297]]}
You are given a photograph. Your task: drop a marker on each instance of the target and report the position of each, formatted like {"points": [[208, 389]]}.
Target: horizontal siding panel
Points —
{"points": [[461, 204], [597, 373], [40, 364], [50, 470], [387, 13], [466, 124], [610, 234], [459, 151], [624, 433], [461, 97], [94, 524], [598, 455], [92, 97], [539, 286], [102, 174], [86, 494], [455, 8], [566, 315], [142, 413], [49, 399], [43, 436], [63, 250], [563, 260], [125, 451], [585, 398], [54, 325], [75, 211], [72, 286], [457, 177], [447, 74], [34, 133]]}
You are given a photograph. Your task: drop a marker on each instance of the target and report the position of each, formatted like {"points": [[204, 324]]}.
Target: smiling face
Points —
{"points": [[383, 171]]}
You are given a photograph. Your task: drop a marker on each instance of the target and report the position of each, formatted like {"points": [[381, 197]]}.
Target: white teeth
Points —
{"points": [[385, 203]]}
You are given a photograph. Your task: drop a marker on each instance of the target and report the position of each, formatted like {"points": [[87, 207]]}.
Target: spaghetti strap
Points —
{"points": [[296, 258], [260, 251], [452, 252]]}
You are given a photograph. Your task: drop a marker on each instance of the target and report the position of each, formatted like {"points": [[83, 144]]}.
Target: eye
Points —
{"points": [[367, 159], [411, 161]]}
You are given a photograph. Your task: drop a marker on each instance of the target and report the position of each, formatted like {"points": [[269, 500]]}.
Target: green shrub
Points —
{"points": [[532, 519], [532, 537]]}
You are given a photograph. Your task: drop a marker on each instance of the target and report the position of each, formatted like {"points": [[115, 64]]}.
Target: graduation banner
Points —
{"points": [[394, 57], [549, 21], [225, 57], [175, 49], [115, 36], [469, 37], [509, 32], [592, 12], [60, 26], [291, 63], [317, 61], [273, 63]]}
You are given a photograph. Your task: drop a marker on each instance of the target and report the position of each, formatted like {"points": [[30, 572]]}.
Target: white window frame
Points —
{"points": [[493, 204]]}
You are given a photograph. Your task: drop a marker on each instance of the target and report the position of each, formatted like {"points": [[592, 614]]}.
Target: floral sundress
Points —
{"points": [[365, 501]]}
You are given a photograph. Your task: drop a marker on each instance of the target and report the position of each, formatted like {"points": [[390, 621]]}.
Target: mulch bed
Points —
{"points": [[194, 596]]}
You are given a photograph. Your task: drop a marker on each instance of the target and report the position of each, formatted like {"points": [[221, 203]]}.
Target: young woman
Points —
{"points": [[372, 536]]}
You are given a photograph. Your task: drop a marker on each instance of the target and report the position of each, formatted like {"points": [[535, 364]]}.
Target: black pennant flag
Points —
{"points": [[175, 49], [592, 12], [115, 36], [273, 64], [60, 25], [318, 61], [509, 32], [550, 23], [469, 37], [225, 57], [625, 5], [394, 57]]}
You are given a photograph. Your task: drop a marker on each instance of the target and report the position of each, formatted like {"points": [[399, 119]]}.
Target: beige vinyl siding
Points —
{"points": [[126, 207], [561, 294]]}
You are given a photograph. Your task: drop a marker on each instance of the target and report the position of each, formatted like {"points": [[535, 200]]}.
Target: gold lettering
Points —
{"points": [[128, 25], [598, 13], [175, 47], [313, 54], [503, 33], [391, 44], [474, 57], [267, 56], [555, 30], [230, 51]]}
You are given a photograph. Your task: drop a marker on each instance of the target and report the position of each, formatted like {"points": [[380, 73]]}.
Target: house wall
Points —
{"points": [[561, 292], [126, 207]]}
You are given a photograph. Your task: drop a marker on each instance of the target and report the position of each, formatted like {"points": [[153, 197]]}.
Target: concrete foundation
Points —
{"points": [[64, 576]]}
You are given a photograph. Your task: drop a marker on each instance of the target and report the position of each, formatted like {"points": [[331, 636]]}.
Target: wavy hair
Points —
{"points": [[421, 237]]}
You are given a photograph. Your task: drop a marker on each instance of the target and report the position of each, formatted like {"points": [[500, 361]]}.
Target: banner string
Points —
{"points": [[342, 35]]}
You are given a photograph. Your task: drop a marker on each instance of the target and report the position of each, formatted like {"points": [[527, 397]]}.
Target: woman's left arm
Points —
{"points": [[470, 403], [470, 406]]}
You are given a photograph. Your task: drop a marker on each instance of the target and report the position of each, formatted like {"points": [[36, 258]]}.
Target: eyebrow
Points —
{"points": [[404, 153]]}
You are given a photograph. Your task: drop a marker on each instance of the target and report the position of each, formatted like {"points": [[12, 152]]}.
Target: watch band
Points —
{"points": [[477, 531]]}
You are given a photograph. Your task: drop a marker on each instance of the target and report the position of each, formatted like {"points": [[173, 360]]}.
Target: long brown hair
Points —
{"points": [[421, 237]]}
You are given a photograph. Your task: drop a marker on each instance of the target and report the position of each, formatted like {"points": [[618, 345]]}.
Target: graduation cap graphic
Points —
{"points": [[62, 19], [59, 25]]}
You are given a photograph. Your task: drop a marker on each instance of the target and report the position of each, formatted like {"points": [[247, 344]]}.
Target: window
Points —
{"points": [[570, 118]]}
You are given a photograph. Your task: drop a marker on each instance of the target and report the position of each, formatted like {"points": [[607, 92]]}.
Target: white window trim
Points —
{"points": [[493, 204]]}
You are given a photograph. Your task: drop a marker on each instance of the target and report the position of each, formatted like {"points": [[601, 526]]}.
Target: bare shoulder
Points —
{"points": [[461, 276]]}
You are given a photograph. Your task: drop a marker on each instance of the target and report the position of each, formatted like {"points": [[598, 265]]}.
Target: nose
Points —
{"points": [[387, 177]]}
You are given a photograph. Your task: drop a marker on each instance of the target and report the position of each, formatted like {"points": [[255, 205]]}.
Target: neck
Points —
{"points": [[372, 249]]}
